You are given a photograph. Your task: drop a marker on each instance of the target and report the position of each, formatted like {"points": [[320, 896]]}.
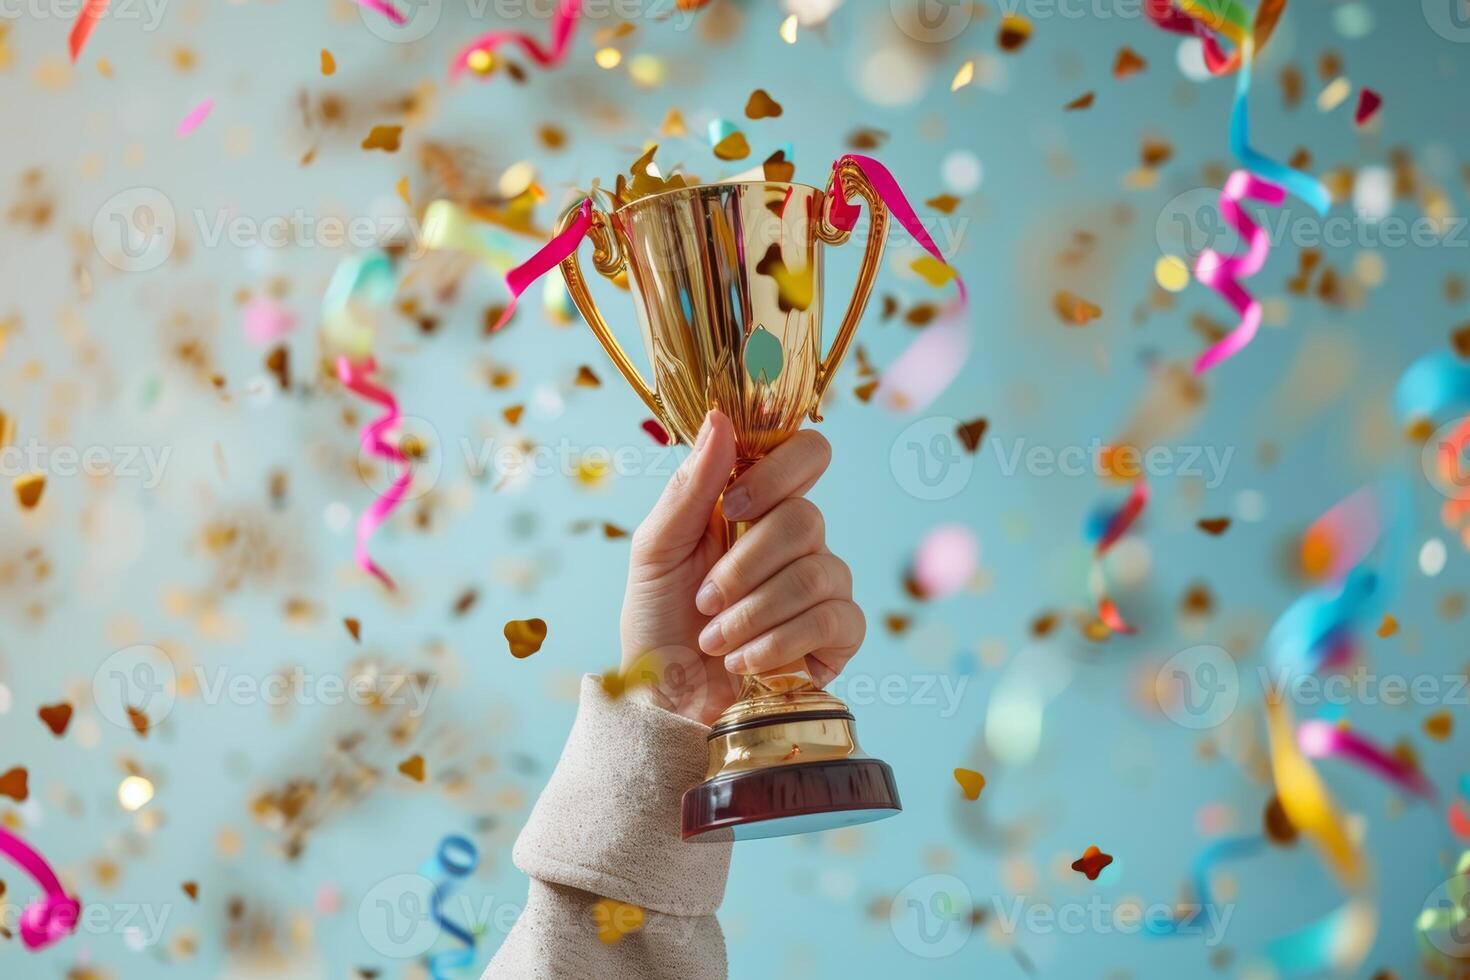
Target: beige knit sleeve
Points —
{"points": [[607, 826]]}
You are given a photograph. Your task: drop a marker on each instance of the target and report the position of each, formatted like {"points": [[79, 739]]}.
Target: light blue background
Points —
{"points": [[1111, 770]]}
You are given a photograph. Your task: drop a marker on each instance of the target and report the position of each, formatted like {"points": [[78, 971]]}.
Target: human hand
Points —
{"points": [[704, 617]]}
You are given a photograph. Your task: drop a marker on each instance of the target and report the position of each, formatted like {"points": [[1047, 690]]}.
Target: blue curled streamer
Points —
{"points": [[1303, 185], [1230, 849], [1432, 388], [456, 858]]}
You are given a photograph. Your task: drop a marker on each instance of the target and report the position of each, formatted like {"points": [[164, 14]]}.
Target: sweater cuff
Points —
{"points": [[608, 820]]}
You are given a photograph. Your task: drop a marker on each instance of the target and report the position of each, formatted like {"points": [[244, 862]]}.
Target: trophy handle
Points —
{"points": [[846, 177], [608, 258]]}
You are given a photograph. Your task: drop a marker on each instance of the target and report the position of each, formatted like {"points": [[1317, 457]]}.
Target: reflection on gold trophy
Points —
{"points": [[727, 281]]}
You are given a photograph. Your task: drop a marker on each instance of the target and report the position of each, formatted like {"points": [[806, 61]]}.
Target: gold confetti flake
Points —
{"points": [[788, 29], [329, 63], [971, 783], [525, 636], [963, 77], [384, 138], [28, 489], [733, 147], [615, 919], [1015, 31], [760, 105], [413, 767]]}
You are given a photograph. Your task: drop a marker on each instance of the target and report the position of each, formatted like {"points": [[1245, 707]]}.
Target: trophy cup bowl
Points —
{"points": [[727, 282]]}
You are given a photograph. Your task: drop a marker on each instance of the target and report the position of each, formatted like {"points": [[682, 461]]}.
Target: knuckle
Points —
{"points": [[804, 519], [826, 621], [812, 575]]}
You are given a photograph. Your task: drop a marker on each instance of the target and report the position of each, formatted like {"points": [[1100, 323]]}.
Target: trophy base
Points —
{"points": [[786, 763]]}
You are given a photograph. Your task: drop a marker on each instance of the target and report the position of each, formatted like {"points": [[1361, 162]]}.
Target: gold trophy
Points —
{"points": [[727, 282]]}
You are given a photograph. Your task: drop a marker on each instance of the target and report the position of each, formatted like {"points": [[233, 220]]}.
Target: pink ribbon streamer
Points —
{"points": [[548, 257], [562, 23], [87, 19], [354, 376], [53, 917], [845, 213], [1321, 740], [385, 8], [1223, 273], [196, 116]]}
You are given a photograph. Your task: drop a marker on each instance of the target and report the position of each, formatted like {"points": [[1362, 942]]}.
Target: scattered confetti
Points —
{"points": [[413, 767], [56, 717]]}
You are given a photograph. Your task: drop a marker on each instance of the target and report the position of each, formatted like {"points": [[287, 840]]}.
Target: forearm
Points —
{"points": [[607, 826]]}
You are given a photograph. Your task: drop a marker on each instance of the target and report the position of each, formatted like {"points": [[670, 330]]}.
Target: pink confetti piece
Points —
{"points": [[87, 18], [561, 38], [658, 433], [385, 8], [354, 376], [53, 917], [1321, 740], [265, 321], [1223, 273], [927, 366], [1369, 102], [196, 116], [946, 560]]}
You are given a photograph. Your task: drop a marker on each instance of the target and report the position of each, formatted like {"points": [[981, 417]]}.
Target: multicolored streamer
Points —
{"points": [[1296, 182], [562, 23], [1449, 918], [354, 376], [1323, 740], [456, 859], [1105, 528], [55, 915]]}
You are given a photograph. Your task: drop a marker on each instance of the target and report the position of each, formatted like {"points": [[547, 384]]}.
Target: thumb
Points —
{"points": [[681, 516]]}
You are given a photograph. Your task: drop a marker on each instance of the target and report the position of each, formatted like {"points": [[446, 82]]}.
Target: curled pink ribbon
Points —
{"points": [[561, 38], [1223, 273], [55, 916], [1321, 740], [548, 257], [354, 376]]}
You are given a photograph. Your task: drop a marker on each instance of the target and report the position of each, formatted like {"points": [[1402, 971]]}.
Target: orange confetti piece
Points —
{"points": [[28, 489], [354, 627], [525, 636], [138, 720], [1092, 862], [15, 784], [413, 767], [1015, 31], [1388, 627], [762, 106], [1214, 526], [1128, 62], [1083, 101], [384, 138], [191, 888], [587, 378], [513, 414], [1439, 726], [329, 64], [1074, 310], [733, 147], [615, 919], [56, 717], [970, 433], [971, 783]]}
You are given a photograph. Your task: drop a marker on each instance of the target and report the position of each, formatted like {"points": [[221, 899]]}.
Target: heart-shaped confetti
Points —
{"points": [[762, 106], [56, 717], [14, 784], [525, 636], [139, 721], [413, 767], [28, 489], [970, 433], [1439, 726], [971, 783], [1015, 31], [1128, 62], [1215, 526], [733, 147]]}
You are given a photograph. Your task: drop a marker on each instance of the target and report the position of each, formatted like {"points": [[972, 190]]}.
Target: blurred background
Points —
{"points": [[260, 746]]}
